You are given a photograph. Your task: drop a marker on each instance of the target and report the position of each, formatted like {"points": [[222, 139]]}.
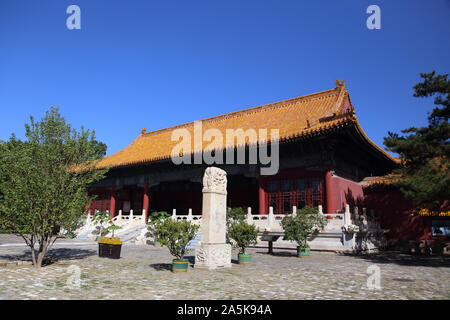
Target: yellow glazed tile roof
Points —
{"points": [[380, 180], [428, 213], [297, 117]]}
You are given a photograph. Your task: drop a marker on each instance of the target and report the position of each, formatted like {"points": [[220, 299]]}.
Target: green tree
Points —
{"points": [[44, 181], [100, 149], [424, 176], [243, 233], [306, 223], [236, 214], [175, 235]]}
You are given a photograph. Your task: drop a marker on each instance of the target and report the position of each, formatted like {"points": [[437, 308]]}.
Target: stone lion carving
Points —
{"points": [[215, 179]]}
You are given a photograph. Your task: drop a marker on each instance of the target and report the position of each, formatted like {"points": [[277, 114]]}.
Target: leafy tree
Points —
{"points": [[306, 223], [100, 149], [424, 177], [236, 214], [175, 235], [156, 216], [44, 181], [244, 234]]}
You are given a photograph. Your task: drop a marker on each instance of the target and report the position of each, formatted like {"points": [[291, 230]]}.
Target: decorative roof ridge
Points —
{"points": [[259, 108], [340, 100]]}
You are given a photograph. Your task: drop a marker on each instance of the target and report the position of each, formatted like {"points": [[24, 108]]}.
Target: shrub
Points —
{"points": [[244, 234], [156, 216], [102, 217], [175, 235], [307, 222], [237, 214]]}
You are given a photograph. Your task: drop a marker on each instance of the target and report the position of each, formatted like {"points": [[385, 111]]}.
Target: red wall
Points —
{"points": [[345, 192], [394, 212]]}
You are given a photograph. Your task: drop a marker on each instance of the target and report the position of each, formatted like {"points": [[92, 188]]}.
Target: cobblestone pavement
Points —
{"points": [[143, 272]]}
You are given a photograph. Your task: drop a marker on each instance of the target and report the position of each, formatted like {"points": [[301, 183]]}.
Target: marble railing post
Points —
{"points": [[174, 214], [131, 215], [347, 217], [249, 215], [294, 211], [270, 217]]}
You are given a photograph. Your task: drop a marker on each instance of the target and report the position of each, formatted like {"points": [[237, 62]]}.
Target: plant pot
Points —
{"points": [[180, 265], [109, 248], [303, 251], [244, 258]]}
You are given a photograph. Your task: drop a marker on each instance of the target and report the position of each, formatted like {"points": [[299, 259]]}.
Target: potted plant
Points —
{"points": [[99, 219], [306, 223], [175, 235], [107, 247], [153, 219], [237, 214], [245, 235]]}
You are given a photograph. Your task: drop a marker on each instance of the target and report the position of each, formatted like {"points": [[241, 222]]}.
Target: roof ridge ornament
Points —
{"points": [[340, 84], [144, 130]]}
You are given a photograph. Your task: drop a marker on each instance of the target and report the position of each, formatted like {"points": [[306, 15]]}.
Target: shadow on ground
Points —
{"points": [[53, 255], [403, 259], [283, 254], [162, 266], [168, 266]]}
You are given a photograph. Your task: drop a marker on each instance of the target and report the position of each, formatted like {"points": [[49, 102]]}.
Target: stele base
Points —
{"points": [[212, 256]]}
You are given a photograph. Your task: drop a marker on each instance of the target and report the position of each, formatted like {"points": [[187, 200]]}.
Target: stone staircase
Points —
{"points": [[130, 235]]}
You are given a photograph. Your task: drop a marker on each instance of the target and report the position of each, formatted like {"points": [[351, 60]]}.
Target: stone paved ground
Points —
{"points": [[143, 272]]}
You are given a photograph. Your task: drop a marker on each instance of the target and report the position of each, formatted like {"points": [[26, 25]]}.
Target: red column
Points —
{"points": [[112, 203], [329, 192], [262, 196], [146, 201]]}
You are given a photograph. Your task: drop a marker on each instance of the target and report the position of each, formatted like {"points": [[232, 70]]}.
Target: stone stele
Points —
{"points": [[212, 252]]}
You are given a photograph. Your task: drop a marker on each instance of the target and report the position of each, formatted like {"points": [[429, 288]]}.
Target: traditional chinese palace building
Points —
{"points": [[325, 158], [324, 155]]}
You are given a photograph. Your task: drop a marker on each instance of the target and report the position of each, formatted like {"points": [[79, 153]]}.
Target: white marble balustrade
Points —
{"points": [[265, 222], [271, 221]]}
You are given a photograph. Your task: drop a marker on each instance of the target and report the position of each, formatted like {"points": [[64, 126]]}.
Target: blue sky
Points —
{"points": [[155, 64]]}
